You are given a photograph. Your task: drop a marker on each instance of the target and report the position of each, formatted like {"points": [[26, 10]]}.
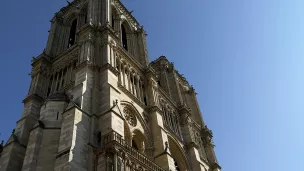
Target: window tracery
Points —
{"points": [[171, 119], [130, 117]]}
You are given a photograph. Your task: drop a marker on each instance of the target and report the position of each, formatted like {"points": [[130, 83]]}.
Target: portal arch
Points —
{"points": [[178, 154], [137, 128]]}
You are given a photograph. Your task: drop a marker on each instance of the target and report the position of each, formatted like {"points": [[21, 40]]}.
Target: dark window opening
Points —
{"points": [[134, 145], [72, 36], [49, 88], [86, 18], [99, 138], [176, 166], [63, 75], [112, 21], [48, 92], [124, 37], [57, 115], [145, 100], [58, 85], [158, 83], [74, 64]]}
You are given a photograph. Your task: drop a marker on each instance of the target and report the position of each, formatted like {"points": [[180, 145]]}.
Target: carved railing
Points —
{"points": [[117, 139]]}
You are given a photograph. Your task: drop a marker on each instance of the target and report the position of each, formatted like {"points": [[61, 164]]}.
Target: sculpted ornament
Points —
{"points": [[130, 117], [146, 117]]}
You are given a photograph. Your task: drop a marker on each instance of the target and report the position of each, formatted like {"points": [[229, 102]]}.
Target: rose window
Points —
{"points": [[130, 117]]}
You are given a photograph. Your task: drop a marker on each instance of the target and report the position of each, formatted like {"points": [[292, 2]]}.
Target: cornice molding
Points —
{"points": [[110, 68], [154, 109], [33, 97]]}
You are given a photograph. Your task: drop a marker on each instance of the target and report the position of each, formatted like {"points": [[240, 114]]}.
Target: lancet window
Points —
{"points": [[61, 78], [131, 80], [72, 36], [134, 145], [124, 37], [171, 120]]}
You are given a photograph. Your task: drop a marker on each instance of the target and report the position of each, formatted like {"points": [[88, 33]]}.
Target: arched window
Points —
{"points": [[86, 18], [72, 36], [99, 138], [112, 23], [124, 37], [178, 155], [134, 145]]}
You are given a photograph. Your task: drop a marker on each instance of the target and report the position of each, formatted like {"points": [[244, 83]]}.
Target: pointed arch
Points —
{"points": [[70, 18], [139, 141], [178, 154], [126, 31], [83, 15], [72, 36], [147, 133]]}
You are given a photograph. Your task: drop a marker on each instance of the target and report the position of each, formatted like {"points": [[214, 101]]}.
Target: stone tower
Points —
{"points": [[96, 103]]}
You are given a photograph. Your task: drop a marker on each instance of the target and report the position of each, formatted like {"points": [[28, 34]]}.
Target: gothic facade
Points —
{"points": [[96, 103]]}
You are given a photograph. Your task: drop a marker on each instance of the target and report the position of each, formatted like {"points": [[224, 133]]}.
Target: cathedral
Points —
{"points": [[96, 102]]}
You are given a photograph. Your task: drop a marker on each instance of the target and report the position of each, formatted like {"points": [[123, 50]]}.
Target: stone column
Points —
{"points": [[129, 80], [117, 27], [112, 56], [62, 35], [132, 44], [143, 52], [138, 87], [120, 72], [133, 84], [124, 76]]}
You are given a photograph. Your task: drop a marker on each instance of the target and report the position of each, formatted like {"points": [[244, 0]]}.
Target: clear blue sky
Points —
{"points": [[244, 57]]}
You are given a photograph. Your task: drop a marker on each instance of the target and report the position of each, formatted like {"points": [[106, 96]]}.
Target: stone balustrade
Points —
{"points": [[116, 140]]}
